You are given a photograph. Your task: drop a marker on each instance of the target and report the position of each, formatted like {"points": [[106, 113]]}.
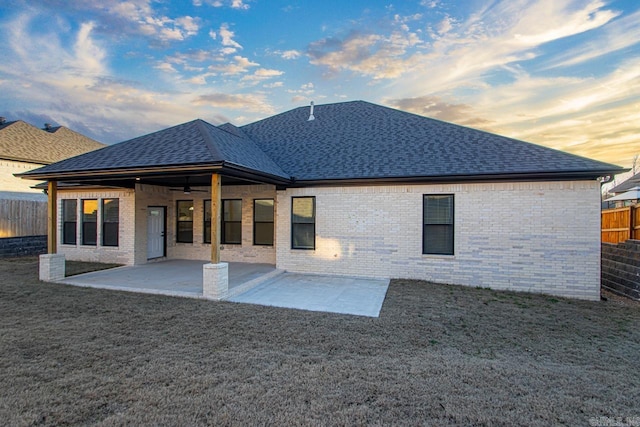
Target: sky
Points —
{"points": [[560, 73]]}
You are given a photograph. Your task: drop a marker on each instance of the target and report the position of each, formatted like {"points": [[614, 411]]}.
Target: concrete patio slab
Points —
{"points": [[259, 284], [176, 277], [333, 294]]}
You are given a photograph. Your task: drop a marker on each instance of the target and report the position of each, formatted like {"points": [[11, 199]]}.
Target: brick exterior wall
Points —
{"points": [[621, 268], [133, 225], [124, 253], [246, 252], [530, 236]]}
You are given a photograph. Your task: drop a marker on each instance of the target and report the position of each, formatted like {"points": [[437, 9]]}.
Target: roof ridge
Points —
{"points": [[208, 139]]}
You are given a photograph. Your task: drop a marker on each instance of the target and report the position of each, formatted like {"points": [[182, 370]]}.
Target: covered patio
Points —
{"points": [[175, 277], [261, 284]]}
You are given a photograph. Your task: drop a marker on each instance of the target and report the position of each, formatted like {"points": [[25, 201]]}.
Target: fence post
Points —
{"points": [[632, 221]]}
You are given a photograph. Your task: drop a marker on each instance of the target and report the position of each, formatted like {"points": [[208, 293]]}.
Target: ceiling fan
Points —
{"points": [[187, 188]]}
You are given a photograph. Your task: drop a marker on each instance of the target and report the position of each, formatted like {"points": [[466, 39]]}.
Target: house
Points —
{"points": [[24, 147], [622, 193], [349, 188], [23, 209]]}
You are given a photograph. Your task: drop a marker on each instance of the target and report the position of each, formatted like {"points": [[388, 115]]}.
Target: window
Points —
{"points": [[437, 233], [263, 222], [110, 221], [69, 219], [231, 222], [185, 221], [89, 222], [207, 221], [303, 223]]}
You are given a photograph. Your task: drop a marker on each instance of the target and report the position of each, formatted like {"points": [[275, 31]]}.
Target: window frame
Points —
{"points": [[65, 222], [206, 219], [450, 224], [105, 222], [293, 223], [272, 222], [84, 222], [223, 233], [178, 221]]}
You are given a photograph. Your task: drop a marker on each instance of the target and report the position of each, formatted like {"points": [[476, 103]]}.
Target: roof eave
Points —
{"points": [[520, 177], [118, 173], [225, 168], [24, 160]]}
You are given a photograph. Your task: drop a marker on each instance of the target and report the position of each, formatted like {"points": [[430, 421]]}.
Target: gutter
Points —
{"points": [[513, 177]]}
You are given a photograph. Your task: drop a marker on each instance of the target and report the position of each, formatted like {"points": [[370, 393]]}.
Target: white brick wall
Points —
{"points": [[246, 252], [530, 236], [124, 253], [538, 237]]}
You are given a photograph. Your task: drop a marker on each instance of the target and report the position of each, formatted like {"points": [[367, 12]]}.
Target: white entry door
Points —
{"points": [[155, 232]]}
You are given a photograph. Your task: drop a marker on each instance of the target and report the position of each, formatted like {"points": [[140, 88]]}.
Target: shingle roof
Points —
{"points": [[21, 141], [350, 140], [357, 139], [192, 143]]}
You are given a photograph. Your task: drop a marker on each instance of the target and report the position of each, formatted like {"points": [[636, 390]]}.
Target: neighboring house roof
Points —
{"points": [[347, 141], [20, 141], [627, 185]]}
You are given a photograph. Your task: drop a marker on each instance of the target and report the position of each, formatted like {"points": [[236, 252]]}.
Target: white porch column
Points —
{"points": [[215, 275], [52, 264]]}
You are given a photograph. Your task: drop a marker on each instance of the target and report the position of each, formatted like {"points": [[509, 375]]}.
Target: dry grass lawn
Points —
{"points": [[438, 355]]}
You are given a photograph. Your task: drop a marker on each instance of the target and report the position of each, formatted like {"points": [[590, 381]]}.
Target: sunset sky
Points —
{"points": [[561, 73]]}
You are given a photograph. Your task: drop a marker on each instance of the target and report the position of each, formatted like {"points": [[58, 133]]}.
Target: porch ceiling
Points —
{"points": [[166, 180]]}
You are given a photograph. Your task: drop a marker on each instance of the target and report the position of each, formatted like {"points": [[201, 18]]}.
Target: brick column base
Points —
{"points": [[215, 281], [52, 267]]}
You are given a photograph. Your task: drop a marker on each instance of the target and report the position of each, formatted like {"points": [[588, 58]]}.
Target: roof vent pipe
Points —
{"points": [[311, 117]]}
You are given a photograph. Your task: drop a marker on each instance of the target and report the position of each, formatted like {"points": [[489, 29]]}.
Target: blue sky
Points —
{"points": [[561, 73]]}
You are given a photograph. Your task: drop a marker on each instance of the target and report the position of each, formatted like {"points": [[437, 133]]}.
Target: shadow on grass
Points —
{"points": [[73, 268]]}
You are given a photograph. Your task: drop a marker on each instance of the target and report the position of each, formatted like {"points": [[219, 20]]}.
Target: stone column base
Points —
{"points": [[215, 280], [52, 267]]}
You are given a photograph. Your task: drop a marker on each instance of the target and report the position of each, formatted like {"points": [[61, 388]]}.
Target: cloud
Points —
{"points": [[435, 107], [239, 65], [133, 17], [227, 38], [263, 74], [234, 4], [75, 85], [290, 54], [244, 102], [375, 55], [273, 85], [305, 89], [166, 67], [239, 4], [616, 35]]}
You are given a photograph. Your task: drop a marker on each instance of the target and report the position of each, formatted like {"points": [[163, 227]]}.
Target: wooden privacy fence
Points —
{"points": [[620, 224], [22, 218]]}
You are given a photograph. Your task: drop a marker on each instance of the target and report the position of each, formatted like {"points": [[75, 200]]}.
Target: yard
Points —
{"points": [[438, 355]]}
